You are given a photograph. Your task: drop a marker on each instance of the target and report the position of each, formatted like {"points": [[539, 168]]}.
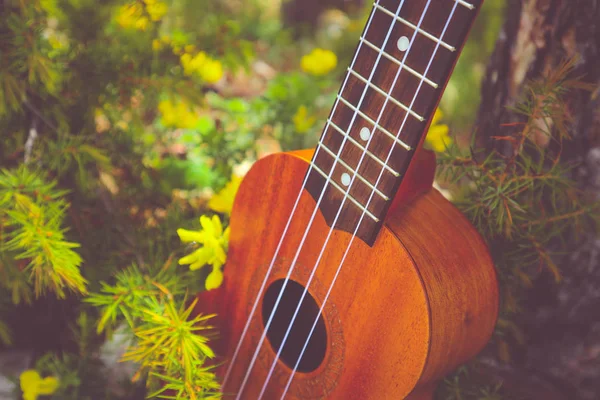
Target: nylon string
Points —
{"points": [[363, 214], [254, 306], [291, 268], [388, 96]]}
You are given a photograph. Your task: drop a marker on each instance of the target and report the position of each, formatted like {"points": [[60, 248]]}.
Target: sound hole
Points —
{"points": [[315, 351]]}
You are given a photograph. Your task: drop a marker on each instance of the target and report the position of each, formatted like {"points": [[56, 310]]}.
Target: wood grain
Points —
{"points": [[425, 57], [419, 302]]}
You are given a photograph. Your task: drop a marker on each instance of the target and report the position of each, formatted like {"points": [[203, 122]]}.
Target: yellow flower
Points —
{"points": [[214, 242], [211, 71], [156, 9], [302, 120], [190, 236], [186, 61], [319, 62], [214, 279], [129, 16], [208, 69], [437, 136], [222, 202], [32, 385], [178, 114], [141, 24], [157, 45]]}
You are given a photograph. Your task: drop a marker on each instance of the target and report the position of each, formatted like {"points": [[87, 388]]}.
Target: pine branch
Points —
{"points": [[31, 216], [171, 346], [524, 203]]}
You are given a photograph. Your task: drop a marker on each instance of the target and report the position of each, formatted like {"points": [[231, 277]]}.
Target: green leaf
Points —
{"points": [[205, 125]]}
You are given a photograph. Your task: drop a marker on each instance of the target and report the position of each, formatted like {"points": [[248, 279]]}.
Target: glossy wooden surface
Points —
{"points": [[393, 95], [404, 312]]}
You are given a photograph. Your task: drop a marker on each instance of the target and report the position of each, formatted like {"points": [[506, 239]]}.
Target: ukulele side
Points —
{"points": [[403, 313]]}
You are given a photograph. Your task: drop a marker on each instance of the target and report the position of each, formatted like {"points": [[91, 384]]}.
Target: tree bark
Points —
{"points": [[561, 321]]}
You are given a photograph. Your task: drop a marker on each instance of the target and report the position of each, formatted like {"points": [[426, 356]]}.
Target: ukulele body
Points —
{"points": [[402, 314]]}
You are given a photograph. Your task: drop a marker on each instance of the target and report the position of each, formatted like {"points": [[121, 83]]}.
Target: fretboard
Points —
{"points": [[402, 64]]}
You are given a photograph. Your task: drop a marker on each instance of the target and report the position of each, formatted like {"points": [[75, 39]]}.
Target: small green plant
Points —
{"points": [[34, 253], [463, 386], [168, 343], [522, 200]]}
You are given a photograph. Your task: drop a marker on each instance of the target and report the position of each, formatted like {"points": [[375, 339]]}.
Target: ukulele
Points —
{"points": [[349, 276]]}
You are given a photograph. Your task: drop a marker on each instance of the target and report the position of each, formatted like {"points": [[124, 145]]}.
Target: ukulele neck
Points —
{"points": [[403, 61]]}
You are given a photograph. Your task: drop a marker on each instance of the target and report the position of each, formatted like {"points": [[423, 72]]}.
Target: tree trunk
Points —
{"points": [[561, 321]]}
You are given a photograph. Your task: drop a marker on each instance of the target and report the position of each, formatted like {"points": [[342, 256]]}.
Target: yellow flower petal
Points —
{"points": [[48, 385], [32, 385], [439, 131], [141, 24], [207, 226], [189, 259], [156, 9], [213, 251], [222, 202], [190, 236], [204, 258], [205, 255], [437, 136], [214, 279], [436, 117], [319, 62], [29, 380], [211, 71], [217, 226], [196, 265], [208, 69], [177, 114], [220, 256], [226, 237]]}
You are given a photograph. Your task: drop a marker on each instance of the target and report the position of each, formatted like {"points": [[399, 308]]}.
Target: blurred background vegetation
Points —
{"points": [[122, 123]]}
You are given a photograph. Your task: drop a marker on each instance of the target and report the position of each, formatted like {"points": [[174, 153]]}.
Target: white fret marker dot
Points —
{"points": [[403, 43], [365, 133], [345, 179]]}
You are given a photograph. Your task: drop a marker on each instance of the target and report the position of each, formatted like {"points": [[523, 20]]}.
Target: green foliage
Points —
{"points": [[74, 154], [171, 341], [83, 89], [522, 200], [463, 385], [33, 248], [286, 93], [170, 346], [125, 299]]}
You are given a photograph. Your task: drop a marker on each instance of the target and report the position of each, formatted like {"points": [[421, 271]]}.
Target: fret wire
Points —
{"points": [[362, 148], [410, 25], [464, 3], [399, 63], [381, 128], [381, 91], [349, 168], [347, 195]]}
